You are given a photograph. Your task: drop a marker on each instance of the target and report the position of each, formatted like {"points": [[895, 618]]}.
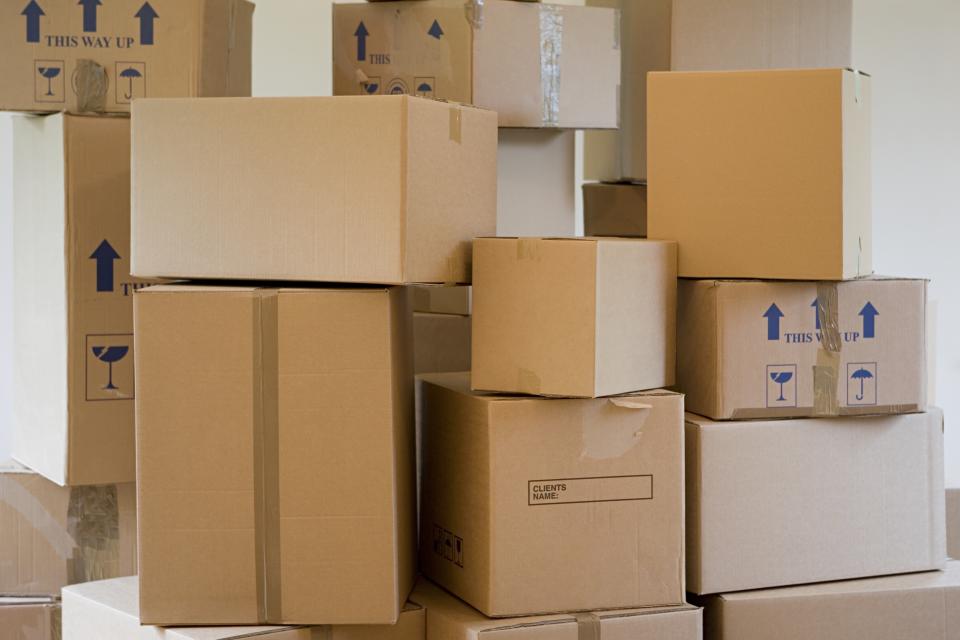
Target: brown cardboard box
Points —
{"points": [[536, 65], [782, 502], [916, 605], [451, 619], [776, 163], [759, 34], [953, 523], [615, 209], [109, 610], [384, 189], [576, 317], [73, 308], [441, 342], [96, 56], [536, 182], [431, 298], [749, 349], [29, 618], [53, 536], [594, 520], [274, 455]]}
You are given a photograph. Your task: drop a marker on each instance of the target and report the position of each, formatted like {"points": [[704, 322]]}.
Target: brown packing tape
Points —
{"points": [[528, 248], [826, 372], [588, 626], [93, 522], [90, 83], [528, 381]]}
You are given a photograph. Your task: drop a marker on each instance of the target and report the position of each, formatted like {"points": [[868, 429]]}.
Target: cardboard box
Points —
{"points": [[387, 189], [109, 610], [759, 34], [916, 605], [749, 349], [782, 502], [275, 462], [452, 619], [53, 536], [536, 65], [455, 300], [441, 342], [29, 618], [575, 317], [73, 309], [953, 523], [776, 163], [615, 209], [94, 56], [593, 521], [536, 183]]}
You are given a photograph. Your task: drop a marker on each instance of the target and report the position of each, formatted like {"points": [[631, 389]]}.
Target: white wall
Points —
{"points": [[6, 289]]}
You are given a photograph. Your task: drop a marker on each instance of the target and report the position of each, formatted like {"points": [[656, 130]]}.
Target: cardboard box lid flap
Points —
{"points": [[460, 383]]}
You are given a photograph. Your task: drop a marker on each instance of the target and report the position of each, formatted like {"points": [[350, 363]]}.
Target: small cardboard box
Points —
{"points": [[54, 536], [757, 34], [109, 610], [100, 56], [30, 618], [953, 523], [783, 502], [451, 619], [916, 605], [594, 520], [615, 209], [73, 306], [536, 182], [536, 65], [387, 189], [750, 349], [441, 342], [275, 461], [573, 317], [776, 163]]}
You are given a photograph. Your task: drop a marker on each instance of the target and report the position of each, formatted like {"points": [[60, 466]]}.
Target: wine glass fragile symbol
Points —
{"points": [[781, 377], [110, 355], [49, 73]]}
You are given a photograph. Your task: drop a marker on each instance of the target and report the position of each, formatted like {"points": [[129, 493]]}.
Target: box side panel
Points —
{"points": [[698, 345], [615, 210], [441, 343], [857, 212], [226, 48], [584, 91]]}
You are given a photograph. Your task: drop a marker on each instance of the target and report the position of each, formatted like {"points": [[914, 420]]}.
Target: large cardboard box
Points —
{"points": [[53, 536], [750, 349], [953, 523], [594, 520], [109, 610], [916, 605], [452, 619], [536, 182], [782, 502], [575, 317], [776, 163], [73, 309], [441, 342], [275, 462], [536, 65], [387, 189], [615, 209], [759, 34], [30, 618], [96, 56]]}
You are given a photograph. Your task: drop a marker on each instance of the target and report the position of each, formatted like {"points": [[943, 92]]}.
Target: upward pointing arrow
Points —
{"points": [[104, 254], [147, 15], [33, 12], [361, 34], [773, 315], [869, 314], [89, 14], [435, 30], [816, 312]]}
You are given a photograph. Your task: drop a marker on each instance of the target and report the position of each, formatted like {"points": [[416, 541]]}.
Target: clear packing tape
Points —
{"points": [[93, 521]]}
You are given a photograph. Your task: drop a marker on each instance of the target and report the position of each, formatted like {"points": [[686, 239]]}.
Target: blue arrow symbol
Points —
{"points": [[869, 313], [435, 30], [361, 34], [147, 15], [816, 313], [773, 315], [104, 254], [33, 12], [89, 14]]}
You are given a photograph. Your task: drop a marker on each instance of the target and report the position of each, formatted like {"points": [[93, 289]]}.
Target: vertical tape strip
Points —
{"points": [[827, 369], [56, 622], [321, 632], [551, 47], [588, 626], [528, 248], [93, 521], [90, 84], [474, 12], [456, 122]]}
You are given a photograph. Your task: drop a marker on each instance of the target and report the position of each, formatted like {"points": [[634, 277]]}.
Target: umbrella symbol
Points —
{"points": [[110, 355], [861, 375], [424, 87], [781, 377], [130, 73], [49, 73]]}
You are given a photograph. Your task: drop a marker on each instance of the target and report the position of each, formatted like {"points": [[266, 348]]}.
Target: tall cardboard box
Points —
{"points": [[275, 462], [615, 209], [594, 520], [916, 605], [109, 610], [29, 618], [953, 523], [53, 536], [776, 163], [751, 349], [536, 65], [387, 189], [100, 56], [450, 618], [577, 317], [536, 183], [783, 502], [73, 307]]}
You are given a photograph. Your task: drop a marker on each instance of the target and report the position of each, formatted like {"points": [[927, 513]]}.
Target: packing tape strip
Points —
{"points": [[528, 381], [528, 248], [321, 632], [474, 13], [56, 622], [826, 371], [551, 48], [90, 84], [93, 522], [456, 122], [588, 626]]}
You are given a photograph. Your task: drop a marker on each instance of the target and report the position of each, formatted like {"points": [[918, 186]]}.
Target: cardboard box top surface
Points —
{"points": [[238, 288], [387, 101], [587, 239], [706, 423], [870, 278], [460, 383], [761, 72]]}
